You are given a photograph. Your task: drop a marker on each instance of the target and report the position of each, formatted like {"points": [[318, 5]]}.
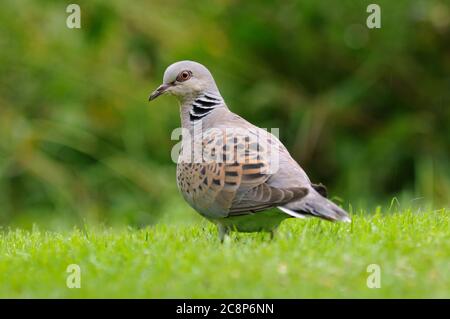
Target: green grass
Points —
{"points": [[308, 259]]}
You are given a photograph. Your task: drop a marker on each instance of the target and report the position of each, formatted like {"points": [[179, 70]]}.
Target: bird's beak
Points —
{"points": [[159, 91]]}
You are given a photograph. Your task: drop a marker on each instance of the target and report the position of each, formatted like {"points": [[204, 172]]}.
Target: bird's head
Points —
{"points": [[185, 79]]}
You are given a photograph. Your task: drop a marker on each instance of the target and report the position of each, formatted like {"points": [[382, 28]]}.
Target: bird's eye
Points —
{"points": [[184, 75]]}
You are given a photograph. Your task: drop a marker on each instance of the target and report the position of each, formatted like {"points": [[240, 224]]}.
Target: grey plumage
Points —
{"points": [[243, 170]]}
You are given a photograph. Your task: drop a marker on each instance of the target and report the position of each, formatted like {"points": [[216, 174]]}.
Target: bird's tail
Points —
{"points": [[316, 205]]}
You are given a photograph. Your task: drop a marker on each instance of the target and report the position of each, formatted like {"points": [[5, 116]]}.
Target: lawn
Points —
{"points": [[308, 259]]}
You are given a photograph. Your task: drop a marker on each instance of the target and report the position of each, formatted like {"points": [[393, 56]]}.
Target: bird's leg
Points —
{"points": [[273, 233], [223, 231]]}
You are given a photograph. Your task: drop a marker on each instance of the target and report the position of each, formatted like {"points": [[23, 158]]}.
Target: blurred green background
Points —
{"points": [[364, 111]]}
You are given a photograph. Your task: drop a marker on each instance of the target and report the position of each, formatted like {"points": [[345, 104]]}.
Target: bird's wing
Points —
{"points": [[233, 178]]}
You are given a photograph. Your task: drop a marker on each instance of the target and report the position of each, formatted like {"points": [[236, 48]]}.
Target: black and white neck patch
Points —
{"points": [[203, 105]]}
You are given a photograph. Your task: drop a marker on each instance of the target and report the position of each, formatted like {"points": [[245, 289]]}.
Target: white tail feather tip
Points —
{"points": [[291, 213], [347, 219]]}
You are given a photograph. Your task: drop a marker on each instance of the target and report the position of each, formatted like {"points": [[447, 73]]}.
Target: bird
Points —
{"points": [[233, 173]]}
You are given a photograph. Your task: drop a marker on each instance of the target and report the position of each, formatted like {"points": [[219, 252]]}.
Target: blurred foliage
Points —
{"points": [[364, 111]]}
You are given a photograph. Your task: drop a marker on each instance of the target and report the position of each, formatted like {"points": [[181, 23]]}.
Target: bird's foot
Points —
{"points": [[224, 232], [273, 233]]}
